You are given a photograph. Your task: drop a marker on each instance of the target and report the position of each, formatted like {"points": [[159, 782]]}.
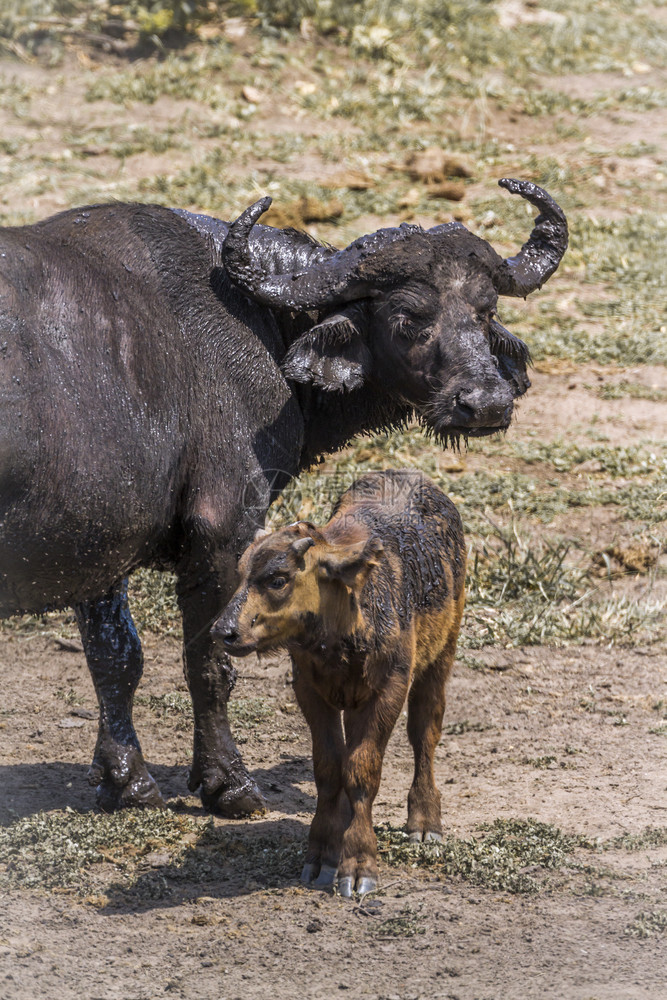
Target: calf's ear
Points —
{"points": [[352, 564], [332, 354], [301, 545]]}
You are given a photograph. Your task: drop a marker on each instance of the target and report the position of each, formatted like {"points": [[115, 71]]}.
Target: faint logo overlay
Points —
{"points": [[312, 496]]}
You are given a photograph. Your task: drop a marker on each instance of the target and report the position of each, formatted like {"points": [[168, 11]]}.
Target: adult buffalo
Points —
{"points": [[162, 377]]}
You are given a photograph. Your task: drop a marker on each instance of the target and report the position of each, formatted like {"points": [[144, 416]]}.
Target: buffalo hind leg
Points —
{"points": [[115, 660], [426, 707], [217, 765]]}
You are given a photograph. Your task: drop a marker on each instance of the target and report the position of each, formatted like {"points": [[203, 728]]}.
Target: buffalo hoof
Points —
{"points": [[241, 800], [429, 837], [122, 779], [364, 885], [141, 792]]}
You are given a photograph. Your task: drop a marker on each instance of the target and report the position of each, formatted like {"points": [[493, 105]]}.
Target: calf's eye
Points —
{"points": [[277, 583]]}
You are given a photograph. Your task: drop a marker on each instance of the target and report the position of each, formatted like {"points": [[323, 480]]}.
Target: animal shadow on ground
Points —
{"points": [[282, 785], [31, 788], [27, 789], [218, 858], [227, 861]]}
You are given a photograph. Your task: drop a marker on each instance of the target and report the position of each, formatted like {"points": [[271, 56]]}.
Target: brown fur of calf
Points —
{"points": [[369, 607]]}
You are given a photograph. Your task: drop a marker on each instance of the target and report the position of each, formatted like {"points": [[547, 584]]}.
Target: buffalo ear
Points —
{"points": [[332, 354], [515, 373], [352, 564]]}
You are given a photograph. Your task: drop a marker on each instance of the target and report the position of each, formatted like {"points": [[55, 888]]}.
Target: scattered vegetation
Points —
{"points": [[647, 924], [57, 849], [630, 390], [544, 762], [249, 713], [153, 848], [152, 853], [408, 922], [650, 837], [596, 37], [496, 858], [174, 705], [152, 597], [464, 726]]}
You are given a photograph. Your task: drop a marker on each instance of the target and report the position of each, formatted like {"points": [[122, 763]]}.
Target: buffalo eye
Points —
{"points": [[277, 582], [410, 327]]}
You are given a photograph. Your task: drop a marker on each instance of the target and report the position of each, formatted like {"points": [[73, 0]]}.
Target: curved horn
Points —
{"points": [[327, 279], [236, 255], [540, 256]]}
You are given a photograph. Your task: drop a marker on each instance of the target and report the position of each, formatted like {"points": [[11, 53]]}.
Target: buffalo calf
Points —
{"points": [[369, 607]]}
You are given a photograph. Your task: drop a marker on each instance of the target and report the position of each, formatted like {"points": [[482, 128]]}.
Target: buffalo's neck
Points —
{"points": [[332, 419]]}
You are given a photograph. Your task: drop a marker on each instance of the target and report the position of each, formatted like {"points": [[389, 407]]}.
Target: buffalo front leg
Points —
{"points": [[332, 814], [115, 660], [217, 766], [367, 732]]}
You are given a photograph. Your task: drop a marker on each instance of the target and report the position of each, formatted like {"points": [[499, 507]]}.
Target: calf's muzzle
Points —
{"points": [[226, 629]]}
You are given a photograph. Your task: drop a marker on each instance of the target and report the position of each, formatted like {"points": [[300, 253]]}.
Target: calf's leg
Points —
{"points": [[115, 660], [367, 732], [332, 814], [426, 707]]}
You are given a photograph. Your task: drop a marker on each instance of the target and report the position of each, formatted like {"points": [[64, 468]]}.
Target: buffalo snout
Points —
{"points": [[470, 409], [477, 407]]}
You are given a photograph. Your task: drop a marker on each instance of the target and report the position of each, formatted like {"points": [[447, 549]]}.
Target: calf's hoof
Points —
{"points": [[428, 837], [319, 876], [239, 800], [347, 888]]}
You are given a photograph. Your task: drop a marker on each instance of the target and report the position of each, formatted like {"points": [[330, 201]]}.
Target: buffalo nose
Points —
{"points": [[480, 408]]}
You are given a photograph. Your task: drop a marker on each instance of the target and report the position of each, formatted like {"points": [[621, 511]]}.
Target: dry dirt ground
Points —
{"points": [[587, 711], [573, 736]]}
